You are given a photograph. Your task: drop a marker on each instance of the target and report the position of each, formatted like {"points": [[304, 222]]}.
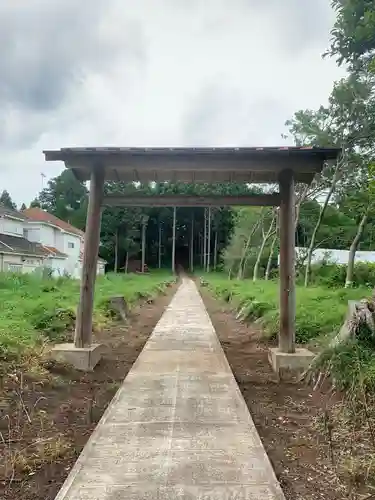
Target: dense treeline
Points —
{"points": [[121, 235]]}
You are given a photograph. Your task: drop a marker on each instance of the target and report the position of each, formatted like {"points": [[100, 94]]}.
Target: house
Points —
{"points": [[59, 237], [17, 253], [34, 239]]}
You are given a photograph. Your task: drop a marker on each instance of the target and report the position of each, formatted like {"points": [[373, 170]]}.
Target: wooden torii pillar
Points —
{"points": [[287, 356], [83, 331], [83, 354], [287, 265]]}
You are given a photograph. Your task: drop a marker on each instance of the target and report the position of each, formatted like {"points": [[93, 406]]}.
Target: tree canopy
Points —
{"points": [[6, 200]]}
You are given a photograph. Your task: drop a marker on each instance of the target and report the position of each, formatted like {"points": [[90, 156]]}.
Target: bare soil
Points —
{"points": [[47, 415], [285, 413]]}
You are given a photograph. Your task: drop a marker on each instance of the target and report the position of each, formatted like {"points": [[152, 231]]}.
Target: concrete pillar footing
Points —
{"points": [[297, 361], [81, 358]]}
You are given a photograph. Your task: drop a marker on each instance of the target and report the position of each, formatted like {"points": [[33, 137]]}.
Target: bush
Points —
{"points": [[34, 308], [334, 275], [320, 310], [55, 324]]}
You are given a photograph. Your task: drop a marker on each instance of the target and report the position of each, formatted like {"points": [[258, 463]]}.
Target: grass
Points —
{"points": [[34, 310], [320, 311]]}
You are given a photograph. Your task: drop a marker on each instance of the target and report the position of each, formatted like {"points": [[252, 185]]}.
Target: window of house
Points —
{"points": [[70, 244], [25, 233]]}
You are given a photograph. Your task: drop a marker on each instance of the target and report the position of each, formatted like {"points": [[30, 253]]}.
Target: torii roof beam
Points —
{"points": [[192, 165], [143, 200]]}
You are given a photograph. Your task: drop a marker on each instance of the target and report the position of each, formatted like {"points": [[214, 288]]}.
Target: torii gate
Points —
{"points": [[284, 166]]}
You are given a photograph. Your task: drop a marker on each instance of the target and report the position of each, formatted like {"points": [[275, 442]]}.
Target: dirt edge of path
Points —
{"points": [[283, 411], [45, 425]]}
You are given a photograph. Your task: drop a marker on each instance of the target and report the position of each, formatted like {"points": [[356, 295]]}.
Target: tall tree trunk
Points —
{"points": [[209, 240], [301, 199], [215, 250], [174, 241], [201, 250], [262, 247], [317, 226], [116, 251], [126, 262], [143, 245], [159, 247], [241, 266], [269, 262], [192, 244], [353, 250], [205, 241]]}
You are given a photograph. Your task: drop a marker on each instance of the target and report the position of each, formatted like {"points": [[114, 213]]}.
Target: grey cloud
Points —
{"points": [[297, 23], [47, 48], [222, 115]]}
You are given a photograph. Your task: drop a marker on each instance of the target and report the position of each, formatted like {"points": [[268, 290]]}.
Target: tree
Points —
{"points": [[23, 207], [66, 198], [353, 34], [35, 203], [266, 235], [345, 122], [6, 200], [241, 246]]}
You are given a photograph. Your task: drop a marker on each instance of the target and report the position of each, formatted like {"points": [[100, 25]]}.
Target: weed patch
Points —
{"points": [[36, 309], [320, 310]]}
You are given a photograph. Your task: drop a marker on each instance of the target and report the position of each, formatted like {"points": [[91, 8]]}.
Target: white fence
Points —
{"points": [[334, 256]]}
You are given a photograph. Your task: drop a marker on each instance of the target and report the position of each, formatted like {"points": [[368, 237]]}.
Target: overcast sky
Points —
{"points": [[153, 73]]}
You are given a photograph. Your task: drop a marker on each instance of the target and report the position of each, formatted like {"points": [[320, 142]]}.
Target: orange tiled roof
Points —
{"points": [[53, 250], [37, 214]]}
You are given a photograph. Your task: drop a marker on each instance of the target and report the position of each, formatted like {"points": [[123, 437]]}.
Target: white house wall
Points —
{"points": [[12, 227], [19, 263], [32, 234], [30, 264], [11, 260], [335, 256], [57, 266], [72, 261], [47, 235]]}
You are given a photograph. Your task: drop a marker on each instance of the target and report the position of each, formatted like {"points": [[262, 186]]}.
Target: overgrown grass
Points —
{"points": [[320, 311], [35, 309]]}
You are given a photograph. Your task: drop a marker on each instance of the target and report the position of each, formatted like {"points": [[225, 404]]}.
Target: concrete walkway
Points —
{"points": [[178, 428]]}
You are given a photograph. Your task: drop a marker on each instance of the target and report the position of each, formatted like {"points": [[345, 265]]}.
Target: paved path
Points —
{"points": [[178, 428]]}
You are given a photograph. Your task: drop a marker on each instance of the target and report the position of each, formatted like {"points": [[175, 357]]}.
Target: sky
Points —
{"points": [[153, 73]]}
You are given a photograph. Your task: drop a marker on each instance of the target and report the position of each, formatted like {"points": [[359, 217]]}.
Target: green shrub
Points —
{"points": [[320, 310], [35, 308], [55, 324], [351, 366], [252, 309], [334, 275]]}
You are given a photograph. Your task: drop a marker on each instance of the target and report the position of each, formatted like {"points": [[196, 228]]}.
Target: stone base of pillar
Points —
{"points": [[296, 362], [81, 358]]}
